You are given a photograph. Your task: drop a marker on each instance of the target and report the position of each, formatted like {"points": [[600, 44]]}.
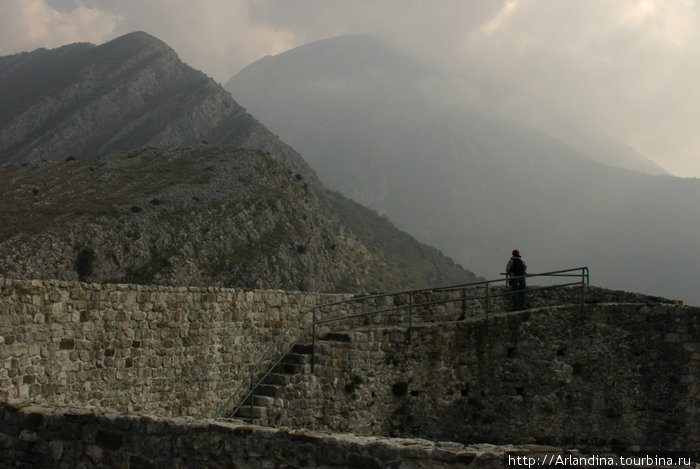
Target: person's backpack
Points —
{"points": [[517, 268]]}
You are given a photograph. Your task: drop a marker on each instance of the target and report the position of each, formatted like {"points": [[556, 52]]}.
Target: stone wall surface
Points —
{"points": [[163, 350], [623, 374]]}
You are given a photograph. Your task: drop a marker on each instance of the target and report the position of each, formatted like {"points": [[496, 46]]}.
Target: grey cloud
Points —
{"points": [[627, 67]]}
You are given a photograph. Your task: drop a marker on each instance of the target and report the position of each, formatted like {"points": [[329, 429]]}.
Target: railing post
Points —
{"points": [[410, 315], [313, 342], [583, 292], [488, 309], [252, 397], [488, 301]]}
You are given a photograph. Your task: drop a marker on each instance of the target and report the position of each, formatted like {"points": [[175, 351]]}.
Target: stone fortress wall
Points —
{"points": [[174, 351], [623, 374]]}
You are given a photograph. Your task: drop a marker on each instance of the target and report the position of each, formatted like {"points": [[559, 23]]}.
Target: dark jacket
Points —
{"points": [[509, 267]]}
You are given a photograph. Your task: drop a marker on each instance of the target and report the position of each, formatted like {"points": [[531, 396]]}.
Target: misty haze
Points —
{"points": [[239, 233], [390, 132]]}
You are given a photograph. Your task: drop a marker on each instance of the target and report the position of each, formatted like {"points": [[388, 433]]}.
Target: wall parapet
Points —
{"points": [[41, 436]]}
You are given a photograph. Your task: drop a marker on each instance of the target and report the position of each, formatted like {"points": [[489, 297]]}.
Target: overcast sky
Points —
{"points": [[629, 67]]}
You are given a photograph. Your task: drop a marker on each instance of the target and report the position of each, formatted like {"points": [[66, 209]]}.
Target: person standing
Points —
{"points": [[516, 270]]}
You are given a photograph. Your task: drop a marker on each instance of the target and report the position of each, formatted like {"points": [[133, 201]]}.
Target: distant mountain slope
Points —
{"points": [[83, 102], [328, 82], [381, 129], [198, 215]]}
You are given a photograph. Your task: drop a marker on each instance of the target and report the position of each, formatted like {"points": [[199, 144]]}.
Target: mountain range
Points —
{"points": [[123, 164], [403, 139]]}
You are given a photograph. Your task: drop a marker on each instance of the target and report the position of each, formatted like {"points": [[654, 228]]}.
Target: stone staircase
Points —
{"points": [[291, 370], [295, 363]]}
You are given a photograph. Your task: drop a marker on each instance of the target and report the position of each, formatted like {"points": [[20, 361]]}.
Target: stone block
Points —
{"points": [[67, 344]]}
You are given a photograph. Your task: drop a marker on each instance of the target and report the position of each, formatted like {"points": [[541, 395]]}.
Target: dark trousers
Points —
{"points": [[519, 296]]}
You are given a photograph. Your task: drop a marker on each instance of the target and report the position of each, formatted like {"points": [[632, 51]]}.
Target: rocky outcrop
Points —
{"points": [[200, 215]]}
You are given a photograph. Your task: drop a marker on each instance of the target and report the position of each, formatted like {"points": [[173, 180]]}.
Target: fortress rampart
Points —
{"points": [[625, 374]]}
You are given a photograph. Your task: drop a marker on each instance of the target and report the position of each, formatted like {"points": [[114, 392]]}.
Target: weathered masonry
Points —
{"points": [[168, 351], [625, 374], [38, 436]]}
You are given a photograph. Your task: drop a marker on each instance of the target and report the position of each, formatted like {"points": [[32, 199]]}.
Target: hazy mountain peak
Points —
{"points": [[130, 91], [348, 55], [353, 47], [138, 38], [137, 42], [469, 180], [344, 41]]}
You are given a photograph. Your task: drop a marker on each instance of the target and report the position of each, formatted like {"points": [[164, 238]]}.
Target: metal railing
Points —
{"points": [[308, 321]]}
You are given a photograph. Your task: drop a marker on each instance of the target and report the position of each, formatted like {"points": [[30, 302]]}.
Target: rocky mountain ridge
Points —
{"points": [[73, 105], [194, 215], [87, 101]]}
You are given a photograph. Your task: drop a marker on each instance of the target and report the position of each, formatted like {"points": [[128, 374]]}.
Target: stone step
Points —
{"points": [[296, 358], [269, 390], [292, 368], [303, 349], [259, 401], [258, 412], [336, 337], [277, 379]]}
